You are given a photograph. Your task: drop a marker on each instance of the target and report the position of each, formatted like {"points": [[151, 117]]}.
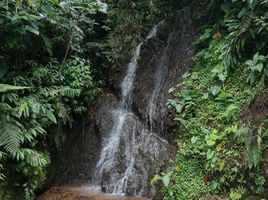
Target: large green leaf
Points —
{"points": [[166, 179], [6, 87], [210, 142], [31, 29], [51, 117], [47, 43]]}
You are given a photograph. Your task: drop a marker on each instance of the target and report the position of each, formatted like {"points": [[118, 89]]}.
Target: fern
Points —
{"points": [[29, 106], [62, 111], [31, 133], [253, 149], [34, 158], [11, 134], [60, 91]]}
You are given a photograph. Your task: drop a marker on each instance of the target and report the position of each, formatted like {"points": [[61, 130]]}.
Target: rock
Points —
{"points": [[215, 197], [163, 61], [257, 111], [254, 198], [151, 155], [76, 160], [104, 116], [254, 114]]}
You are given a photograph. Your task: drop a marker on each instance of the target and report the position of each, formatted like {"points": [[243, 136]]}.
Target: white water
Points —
{"points": [[110, 149]]}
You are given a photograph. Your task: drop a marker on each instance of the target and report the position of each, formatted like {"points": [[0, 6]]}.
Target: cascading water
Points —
{"points": [[109, 150], [132, 153]]}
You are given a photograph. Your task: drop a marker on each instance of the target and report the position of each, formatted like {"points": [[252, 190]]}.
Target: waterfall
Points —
{"points": [[127, 84], [132, 151], [107, 157]]}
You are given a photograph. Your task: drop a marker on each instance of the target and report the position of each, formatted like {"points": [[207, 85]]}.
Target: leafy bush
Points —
{"points": [[209, 100], [45, 78], [188, 181]]}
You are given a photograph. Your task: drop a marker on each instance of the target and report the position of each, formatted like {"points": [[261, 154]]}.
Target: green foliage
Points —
{"points": [[237, 193], [209, 100], [165, 178], [46, 76], [257, 67], [6, 87], [132, 20], [26, 117], [241, 32], [187, 181], [209, 131]]}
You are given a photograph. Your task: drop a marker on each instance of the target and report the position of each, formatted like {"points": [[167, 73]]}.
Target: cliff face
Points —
{"points": [[163, 61]]}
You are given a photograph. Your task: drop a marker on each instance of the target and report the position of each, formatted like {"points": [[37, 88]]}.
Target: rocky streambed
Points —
{"points": [[84, 192]]}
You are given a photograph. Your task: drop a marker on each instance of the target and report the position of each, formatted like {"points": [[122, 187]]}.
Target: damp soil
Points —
{"points": [[81, 193]]}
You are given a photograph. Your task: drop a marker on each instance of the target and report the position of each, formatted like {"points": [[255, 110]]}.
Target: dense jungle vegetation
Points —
{"points": [[55, 58]]}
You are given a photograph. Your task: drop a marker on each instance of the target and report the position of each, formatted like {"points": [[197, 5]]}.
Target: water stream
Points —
{"points": [[124, 109]]}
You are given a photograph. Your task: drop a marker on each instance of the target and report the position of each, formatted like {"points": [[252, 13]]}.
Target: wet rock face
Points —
{"points": [[257, 111], [75, 162], [150, 156], [103, 115], [162, 62], [76, 159]]}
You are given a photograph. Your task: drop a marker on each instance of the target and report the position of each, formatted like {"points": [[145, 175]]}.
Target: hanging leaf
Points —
{"points": [[194, 139], [48, 44], [51, 117], [259, 67], [32, 30], [155, 179], [6, 87], [221, 165]]}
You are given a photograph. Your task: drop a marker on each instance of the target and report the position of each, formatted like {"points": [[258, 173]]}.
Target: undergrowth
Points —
{"points": [[223, 152], [210, 133]]}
